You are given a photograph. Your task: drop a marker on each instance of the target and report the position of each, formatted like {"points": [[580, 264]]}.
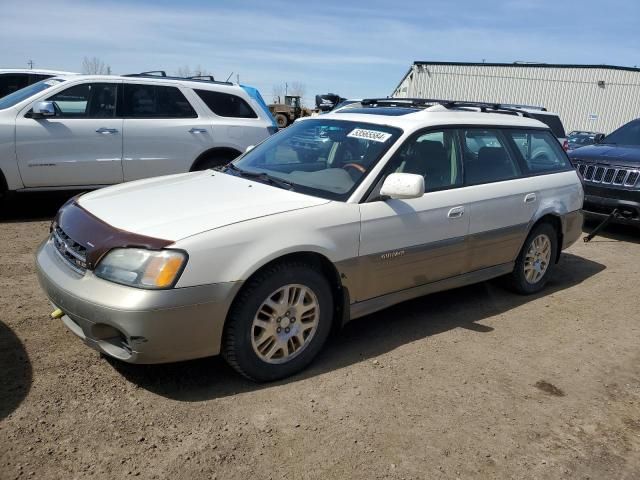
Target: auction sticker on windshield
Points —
{"points": [[369, 135]]}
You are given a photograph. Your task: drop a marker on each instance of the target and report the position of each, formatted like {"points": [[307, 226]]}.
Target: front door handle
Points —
{"points": [[456, 212], [107, 131], [530, 197], [198, 130]]}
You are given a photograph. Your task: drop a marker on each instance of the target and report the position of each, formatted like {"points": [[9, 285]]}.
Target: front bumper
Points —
{"points": [[136, 325], [599, 202]]}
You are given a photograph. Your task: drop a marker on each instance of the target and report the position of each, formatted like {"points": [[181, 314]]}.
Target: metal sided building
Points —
{"points": [[588, 97]]}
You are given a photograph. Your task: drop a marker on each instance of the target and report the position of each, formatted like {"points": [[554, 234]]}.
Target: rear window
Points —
{"points": [[540, 150], [226, 104], [553, 122], [26, 92]]}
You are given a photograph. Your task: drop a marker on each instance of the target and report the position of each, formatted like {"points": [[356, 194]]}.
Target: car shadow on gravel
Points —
{"points": [[15, 371], [33, 206], [362, 339]]}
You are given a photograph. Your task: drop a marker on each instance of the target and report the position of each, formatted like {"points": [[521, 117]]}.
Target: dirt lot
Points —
{"points": [[472, 383]]}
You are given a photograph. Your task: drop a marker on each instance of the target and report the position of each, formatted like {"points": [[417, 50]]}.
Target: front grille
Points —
{"points": [[73, 254], [604, 174]]}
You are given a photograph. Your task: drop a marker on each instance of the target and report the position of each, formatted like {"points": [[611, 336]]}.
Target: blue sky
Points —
{"points": [[354, 48]]}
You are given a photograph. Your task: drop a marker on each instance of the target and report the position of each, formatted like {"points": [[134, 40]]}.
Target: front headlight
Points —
{"points": [[142, 268]]}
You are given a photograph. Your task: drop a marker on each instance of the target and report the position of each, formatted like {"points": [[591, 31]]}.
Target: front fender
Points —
{"points": [[237, 251]]}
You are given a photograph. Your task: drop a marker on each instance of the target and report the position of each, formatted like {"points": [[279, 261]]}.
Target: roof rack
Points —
{"points": [[163, 74], [485, 107]]}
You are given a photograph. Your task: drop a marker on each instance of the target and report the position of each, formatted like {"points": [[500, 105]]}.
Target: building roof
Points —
{"points": [[530, 65]]}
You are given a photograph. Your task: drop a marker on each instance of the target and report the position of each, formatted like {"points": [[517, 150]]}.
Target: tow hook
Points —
{"points": [[56, 314], [614, 214]]}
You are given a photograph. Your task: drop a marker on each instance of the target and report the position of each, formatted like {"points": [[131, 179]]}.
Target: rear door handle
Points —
{"points": [[107, 131], [198, 130], [530, 197], [456, 212]]}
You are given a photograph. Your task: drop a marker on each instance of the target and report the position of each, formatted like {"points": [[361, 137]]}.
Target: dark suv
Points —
{"points": [[611, 171]]}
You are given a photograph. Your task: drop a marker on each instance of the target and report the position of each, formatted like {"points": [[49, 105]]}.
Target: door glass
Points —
{"points": [[540, 150], [88, 100], [486, 159], [152, 101], [434, 155]]}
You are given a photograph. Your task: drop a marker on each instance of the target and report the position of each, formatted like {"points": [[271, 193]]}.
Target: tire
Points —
{"points": [[255, 343], [531, 276], [211, 162], [282, 120]]}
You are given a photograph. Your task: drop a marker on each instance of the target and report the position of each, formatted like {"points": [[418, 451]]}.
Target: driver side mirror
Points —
{"points": [[598, 138], [43, 109], [403, 186]]}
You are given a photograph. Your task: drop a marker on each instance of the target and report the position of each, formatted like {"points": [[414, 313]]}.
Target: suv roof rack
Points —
{"points": [[485, 107], [163, 74]]}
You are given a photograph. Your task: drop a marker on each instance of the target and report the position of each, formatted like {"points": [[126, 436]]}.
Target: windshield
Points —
{"points": [[26, 92], [582, 138], [628, 134], [325, 158]]}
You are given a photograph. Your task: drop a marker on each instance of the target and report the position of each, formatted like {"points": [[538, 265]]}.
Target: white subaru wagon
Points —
{"points": [[88, 131], [329, 220]]}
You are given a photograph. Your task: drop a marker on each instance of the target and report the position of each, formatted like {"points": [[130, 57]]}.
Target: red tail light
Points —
{"points": [[565, 145]]}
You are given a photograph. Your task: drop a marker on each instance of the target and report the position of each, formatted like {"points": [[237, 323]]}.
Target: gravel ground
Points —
{"points": [[471, 383]]}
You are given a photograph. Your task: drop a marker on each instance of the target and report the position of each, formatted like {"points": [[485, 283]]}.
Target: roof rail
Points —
{"points": [[202, 77], [485, 107], [150, 73], [163, 74]]}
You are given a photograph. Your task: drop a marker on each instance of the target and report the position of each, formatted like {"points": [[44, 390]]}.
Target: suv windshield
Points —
{"points": [[628, 134], [26, 92], [325, 158]]}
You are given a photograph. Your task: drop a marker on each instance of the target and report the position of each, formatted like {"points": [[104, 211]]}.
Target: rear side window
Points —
{"points": [[540, 150], [12, 82], [226, 105], [553, 122], [155, 101], [486, 157]]}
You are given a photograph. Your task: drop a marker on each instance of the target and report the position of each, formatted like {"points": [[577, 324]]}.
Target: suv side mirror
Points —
{"points": [[43, 109], [403, 186], [598, 138]]}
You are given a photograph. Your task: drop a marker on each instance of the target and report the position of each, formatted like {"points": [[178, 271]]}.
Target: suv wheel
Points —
{"points": [[535, 261], [279, 322]]}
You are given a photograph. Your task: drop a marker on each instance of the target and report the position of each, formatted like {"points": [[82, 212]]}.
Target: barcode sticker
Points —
{"points": [[369, 135]]}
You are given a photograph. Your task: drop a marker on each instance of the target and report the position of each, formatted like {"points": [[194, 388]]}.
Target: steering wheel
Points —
{"points": [[357, 166]]}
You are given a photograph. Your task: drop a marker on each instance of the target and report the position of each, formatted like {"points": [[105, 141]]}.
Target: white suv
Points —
{"points": [[261, 261], [82, 131]]}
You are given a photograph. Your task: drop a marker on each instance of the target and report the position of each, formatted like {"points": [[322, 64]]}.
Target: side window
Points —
{"points": [[486, 157], [226, 105], [12, 82], [155, 101], [540, 150], [434, 155], [88, 100]]}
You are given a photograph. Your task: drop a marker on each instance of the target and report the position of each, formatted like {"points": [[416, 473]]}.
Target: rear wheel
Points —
{"points": [[536, 261], [279, 322], [281, 120]]}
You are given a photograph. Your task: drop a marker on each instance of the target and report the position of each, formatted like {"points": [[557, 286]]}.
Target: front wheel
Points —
{"points": [[279, 322], [536, 261]]}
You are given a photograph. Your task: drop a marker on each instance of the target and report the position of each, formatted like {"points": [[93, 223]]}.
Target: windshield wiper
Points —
{"points": [[265, 177]]}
